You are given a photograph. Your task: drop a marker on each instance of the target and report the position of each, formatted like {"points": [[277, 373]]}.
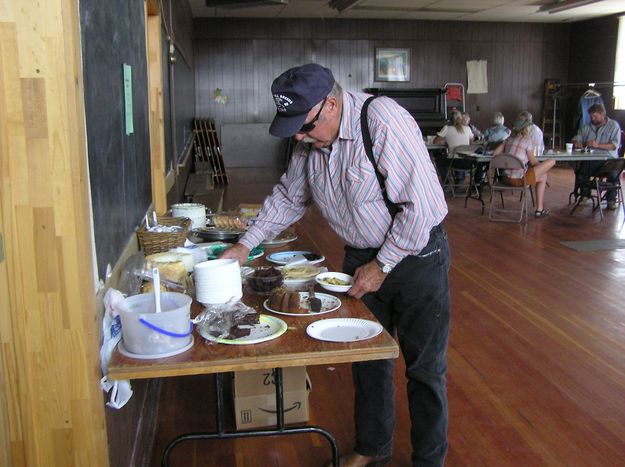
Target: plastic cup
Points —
{"points": [[569, 147]]}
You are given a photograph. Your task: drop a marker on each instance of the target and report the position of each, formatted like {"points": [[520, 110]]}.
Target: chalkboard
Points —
{"points": [[113, 34]]}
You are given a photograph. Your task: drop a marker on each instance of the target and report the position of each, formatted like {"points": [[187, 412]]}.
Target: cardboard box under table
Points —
{"points": [[255, 397]]}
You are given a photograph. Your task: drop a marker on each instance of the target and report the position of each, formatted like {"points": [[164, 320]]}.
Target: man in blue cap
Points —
{"points": [[375, 185]]}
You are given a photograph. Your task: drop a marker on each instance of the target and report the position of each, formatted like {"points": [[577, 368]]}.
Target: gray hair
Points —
{"points": [[525, 115], [337, 91], [498, 118]]}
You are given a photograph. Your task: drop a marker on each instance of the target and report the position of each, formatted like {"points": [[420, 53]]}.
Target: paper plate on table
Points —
{"points": [[343, 329], [269, 328], [299, 277], [283, 257], [281, 239], [329, 303]]}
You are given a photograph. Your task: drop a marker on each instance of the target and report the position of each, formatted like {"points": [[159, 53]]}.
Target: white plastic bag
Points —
{"points": [[111, 335]]}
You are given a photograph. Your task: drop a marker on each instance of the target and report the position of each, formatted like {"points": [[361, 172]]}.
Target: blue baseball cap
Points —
{"points": [[295, 92]]}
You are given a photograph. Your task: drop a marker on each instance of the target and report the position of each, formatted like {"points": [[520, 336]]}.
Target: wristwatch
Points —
{"points": [[385, 268]]}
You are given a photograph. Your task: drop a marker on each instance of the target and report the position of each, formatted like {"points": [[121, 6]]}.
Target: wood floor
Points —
{"points": [[536, 356]]}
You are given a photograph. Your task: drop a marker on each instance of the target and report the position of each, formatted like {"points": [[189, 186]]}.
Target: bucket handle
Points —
{"points": [[163, 331]]}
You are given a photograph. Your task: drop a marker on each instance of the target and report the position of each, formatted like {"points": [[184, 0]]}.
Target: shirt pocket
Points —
{"points": [[361, 185], [317, 182]]}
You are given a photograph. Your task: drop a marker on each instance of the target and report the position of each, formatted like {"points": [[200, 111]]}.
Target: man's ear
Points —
{"points": [[332, 105]]}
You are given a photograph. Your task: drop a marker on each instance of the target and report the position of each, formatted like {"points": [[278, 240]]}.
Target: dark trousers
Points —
{"points": [[586, 170], [414, 301]]}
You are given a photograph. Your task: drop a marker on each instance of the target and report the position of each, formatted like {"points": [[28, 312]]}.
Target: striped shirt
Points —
{"points": [[518, 146], [608, 133], [343, 184]]}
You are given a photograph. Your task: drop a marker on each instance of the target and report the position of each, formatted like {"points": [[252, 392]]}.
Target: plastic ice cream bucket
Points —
{"points": [[146, 332]]}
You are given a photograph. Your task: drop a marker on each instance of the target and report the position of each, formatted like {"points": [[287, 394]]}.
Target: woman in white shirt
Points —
{"points": [[453, 134]]}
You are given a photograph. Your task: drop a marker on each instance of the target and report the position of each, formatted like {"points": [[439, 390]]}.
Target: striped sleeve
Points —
{"points": [[286, 205]]}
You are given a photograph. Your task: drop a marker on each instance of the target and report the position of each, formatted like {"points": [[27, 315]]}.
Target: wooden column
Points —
{"points": [[51, 405], [155, 105]]}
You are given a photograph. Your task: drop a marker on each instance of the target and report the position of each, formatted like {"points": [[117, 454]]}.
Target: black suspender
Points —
{"points": [[366, 139]]}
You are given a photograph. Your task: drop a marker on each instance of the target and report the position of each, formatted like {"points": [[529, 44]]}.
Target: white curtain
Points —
{"points": [[477, 81]]}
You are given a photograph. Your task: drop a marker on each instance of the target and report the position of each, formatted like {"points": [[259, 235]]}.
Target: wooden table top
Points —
{"points": [[293, 348]]}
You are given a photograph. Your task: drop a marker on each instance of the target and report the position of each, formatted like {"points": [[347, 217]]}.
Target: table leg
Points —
{"points": [[474, 186], [279, 398], [280, 428]]}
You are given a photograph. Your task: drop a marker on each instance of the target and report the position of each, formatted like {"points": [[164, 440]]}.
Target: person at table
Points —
{"points": [[466, 120], [396, 245], [520, 146], [454, 134], [497, 133], [535, 133], [601, 133]]}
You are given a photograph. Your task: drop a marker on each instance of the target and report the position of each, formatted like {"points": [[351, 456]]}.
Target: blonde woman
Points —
{"points": [[520, 146], [454, 134]]}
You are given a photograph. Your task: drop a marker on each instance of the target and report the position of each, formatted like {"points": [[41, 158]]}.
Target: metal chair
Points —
{"points": [[458, 164], [498, 164], [607, 178]]}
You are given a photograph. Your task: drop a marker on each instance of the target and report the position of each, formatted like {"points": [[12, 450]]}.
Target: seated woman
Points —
{"points": [[453, 134], [466, 120], [496, 133], [520, 146]]}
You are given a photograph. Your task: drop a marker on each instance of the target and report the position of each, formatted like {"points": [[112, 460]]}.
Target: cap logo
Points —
{"points": [[282, 102]]}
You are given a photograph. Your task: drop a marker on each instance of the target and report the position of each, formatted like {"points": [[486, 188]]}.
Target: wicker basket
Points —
{"points": [[158, 242]]}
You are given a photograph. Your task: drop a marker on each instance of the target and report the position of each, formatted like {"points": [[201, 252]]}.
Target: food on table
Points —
{"points": [[249, 210], [304, 271], [228, 222], [314, 303], [333, 281], [264, 279], [285, 301], [172, 271], [172, 256], [248, 321]]}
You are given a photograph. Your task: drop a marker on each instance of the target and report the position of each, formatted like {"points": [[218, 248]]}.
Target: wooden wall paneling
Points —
{"points": [[51, 397], [439, 53], [202, 78]]}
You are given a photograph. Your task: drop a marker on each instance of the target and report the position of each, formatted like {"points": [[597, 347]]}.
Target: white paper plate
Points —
{"points": [[124, 351], [329, 303], [282, 239], [284, 257], [343, 329], [269, 328]]}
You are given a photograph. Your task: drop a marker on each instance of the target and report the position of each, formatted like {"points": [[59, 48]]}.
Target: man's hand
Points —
{"points": [[577, 144], [239, 252], [592, 144], [368, 278]]}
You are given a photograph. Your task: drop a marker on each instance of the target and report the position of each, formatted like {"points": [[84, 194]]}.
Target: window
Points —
{"points": [[619, 67]]}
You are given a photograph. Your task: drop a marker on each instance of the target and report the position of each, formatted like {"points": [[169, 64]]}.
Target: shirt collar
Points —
{"points": [[346, 129]]}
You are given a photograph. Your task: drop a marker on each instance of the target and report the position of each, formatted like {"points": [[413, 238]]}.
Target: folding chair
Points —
{"points": [[458, 164], [607, 178], [498, 164]]}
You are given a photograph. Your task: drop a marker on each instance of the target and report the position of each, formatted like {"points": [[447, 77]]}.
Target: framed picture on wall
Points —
{"points": [[392, 64]]}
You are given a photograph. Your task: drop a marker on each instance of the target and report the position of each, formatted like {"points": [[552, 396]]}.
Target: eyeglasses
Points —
{"points": [[307, 127]]}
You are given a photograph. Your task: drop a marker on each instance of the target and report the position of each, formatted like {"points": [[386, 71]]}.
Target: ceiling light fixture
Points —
{"points": [[342, 5], [564, 5]]}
